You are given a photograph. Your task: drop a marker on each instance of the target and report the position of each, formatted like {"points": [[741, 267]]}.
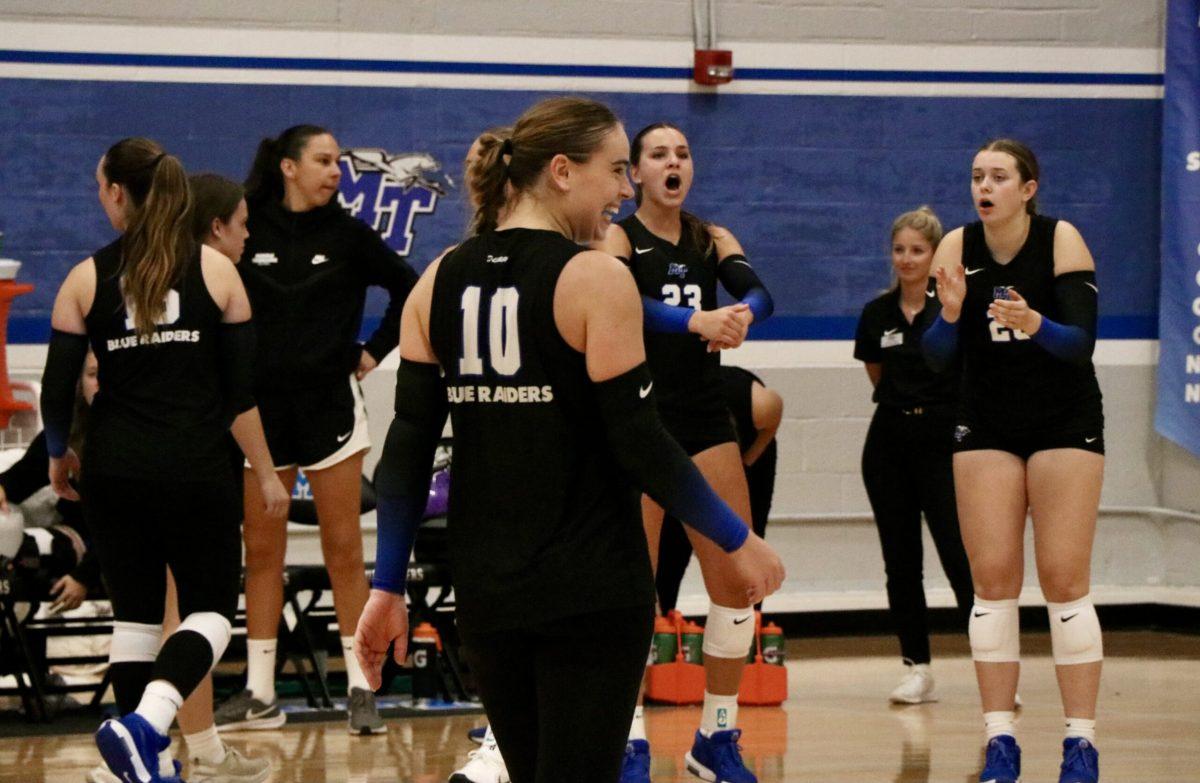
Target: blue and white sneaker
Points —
{"points": [[635, 768], [130, 747], [1003, 764], [718, 758], [1081, 762], [477, 734]]}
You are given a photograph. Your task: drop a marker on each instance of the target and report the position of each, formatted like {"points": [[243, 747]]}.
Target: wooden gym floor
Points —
{"points": [[836, 727]]}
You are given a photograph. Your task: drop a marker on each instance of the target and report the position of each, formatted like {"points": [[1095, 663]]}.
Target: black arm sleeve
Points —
{"points": [[740, 280], [28, 474], [1078, 301], [64, 362], [236, 346], [658, 464], [384, 267], [402, 477]]}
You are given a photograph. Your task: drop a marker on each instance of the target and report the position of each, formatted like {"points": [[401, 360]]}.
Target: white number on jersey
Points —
{"points": [[170, 311], [504, 346], [673, 295], [1004, 334]]}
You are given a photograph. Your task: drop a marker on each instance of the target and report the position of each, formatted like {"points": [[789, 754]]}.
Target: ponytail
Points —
{"points": [[157, 240], [487, 178], [265, 180]]}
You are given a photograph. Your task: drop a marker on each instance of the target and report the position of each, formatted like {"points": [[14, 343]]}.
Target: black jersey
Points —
{"points": [[1008, 379], [160, 409], [885, 337], [543, 523], [307, 275], [687, 380]]}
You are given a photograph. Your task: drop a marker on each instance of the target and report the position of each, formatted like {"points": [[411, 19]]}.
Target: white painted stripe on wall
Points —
{"points": [[243, 41], [129, 39], [783, 354], [175, 75]]}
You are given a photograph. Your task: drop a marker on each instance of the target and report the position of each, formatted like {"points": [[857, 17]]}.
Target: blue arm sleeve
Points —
{"points": [[658, 464], [740, 280], [662, 317], [940, 343], [402, 478], [1069, 343], [64, 362]]}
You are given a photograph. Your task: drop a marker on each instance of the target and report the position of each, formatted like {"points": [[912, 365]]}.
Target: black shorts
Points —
{"points": [[1083, 431], [140, 526], [314, 428], [700, 432]]}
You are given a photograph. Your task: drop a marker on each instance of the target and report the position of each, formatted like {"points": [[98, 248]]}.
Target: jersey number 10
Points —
{"points": [[504, 345]]}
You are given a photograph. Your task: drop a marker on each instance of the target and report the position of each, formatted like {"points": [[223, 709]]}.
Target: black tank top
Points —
{"points": [[159, 411], [687, 378], [542, 522], [1007, 378]]}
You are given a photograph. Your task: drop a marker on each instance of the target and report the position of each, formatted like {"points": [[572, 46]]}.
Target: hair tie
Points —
{"points": [[507, 147]]}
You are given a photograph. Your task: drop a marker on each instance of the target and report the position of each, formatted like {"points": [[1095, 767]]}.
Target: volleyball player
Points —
{"points": [[1019, 300], [677, 260], [906, 458], [757, 412], [168, 322], [534, 345], [307, 266]]}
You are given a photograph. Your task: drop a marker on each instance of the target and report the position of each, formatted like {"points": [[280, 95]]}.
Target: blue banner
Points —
{"points": [[1178, 414]]}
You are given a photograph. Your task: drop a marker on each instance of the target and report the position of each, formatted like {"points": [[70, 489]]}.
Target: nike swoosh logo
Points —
{"points": [[931, 294], [252, 715], [342, 438], [1091, 440], [982, 614], [973, 271], [641, 250], [890, 331], [1094, 288], [644, 392], [1068, 617], [319, 259], [741, 620]]}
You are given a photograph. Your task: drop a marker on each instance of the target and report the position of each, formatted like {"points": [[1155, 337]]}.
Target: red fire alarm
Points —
{"points": [[713, 66]]}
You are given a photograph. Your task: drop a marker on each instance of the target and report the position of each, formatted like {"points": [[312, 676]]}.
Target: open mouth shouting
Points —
{"points": [[673, 184]]}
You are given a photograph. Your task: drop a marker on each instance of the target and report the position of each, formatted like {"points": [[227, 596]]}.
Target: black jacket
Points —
{"points": [[307, 275]]}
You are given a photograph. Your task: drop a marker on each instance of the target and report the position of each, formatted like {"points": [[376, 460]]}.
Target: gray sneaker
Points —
{"points": [[364, 717], [243, 711], [236, 768]]}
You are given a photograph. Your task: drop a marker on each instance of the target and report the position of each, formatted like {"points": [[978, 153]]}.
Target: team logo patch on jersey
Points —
{"points": [[961, 432], [677, 270], [388, 191]]}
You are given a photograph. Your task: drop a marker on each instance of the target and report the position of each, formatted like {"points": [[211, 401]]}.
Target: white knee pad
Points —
{"points": [[134, 642], [995, 631], [1075, 632], [728, 632], [213, 627]]}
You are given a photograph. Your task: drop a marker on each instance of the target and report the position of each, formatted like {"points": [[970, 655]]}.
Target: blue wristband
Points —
{"points": [[940, 342], [1069, 343], [665, 318], [760, 303]]}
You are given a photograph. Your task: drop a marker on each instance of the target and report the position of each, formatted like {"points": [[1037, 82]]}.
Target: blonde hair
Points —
{"points": [[158, 240], [925, 222]]}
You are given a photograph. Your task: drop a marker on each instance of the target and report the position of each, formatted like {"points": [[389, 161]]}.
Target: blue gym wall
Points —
{"points": [[808, 183]]}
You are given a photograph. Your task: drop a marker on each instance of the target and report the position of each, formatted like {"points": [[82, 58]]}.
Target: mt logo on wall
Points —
{"points": [[388, 191]]}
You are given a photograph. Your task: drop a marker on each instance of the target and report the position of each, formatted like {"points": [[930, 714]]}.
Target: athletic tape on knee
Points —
{"points": [[728, 633], [213, 627], [995, 631], [1075, 632], [134, 642]]}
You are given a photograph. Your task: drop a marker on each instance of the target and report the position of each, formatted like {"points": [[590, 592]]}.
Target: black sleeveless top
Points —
{"points": [[687, 378], [159, 411], [1008, 379], [542, 522]]}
